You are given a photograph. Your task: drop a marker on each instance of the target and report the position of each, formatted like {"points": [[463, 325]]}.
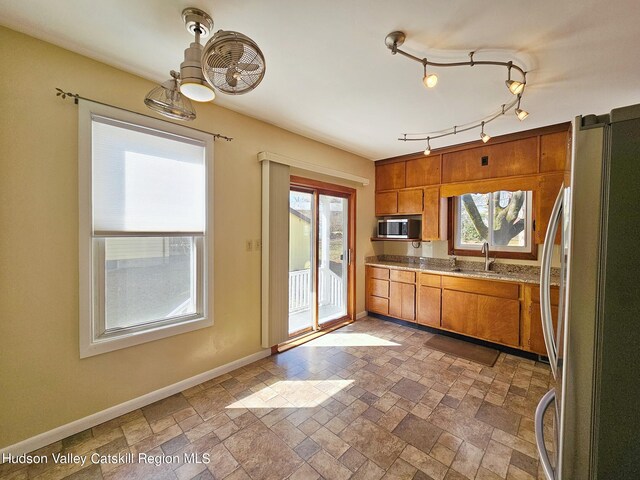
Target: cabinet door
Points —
{"points": [[429, 306], [423, 171], [545, 198], [518, 157], [553, 151], [408, 302], [387, 203], [395, 299], [390, 176], [536, 337], [431, 214], [499, 320], [402, 300], [459, 311], [410, 201]]}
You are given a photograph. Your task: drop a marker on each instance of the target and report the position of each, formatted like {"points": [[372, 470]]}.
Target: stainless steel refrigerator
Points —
{"points": [[594, 352]]}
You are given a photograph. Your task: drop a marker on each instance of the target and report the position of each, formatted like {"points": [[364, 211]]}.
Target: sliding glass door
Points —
{"points": [[301, 261], [333, 257], [321, 244]]}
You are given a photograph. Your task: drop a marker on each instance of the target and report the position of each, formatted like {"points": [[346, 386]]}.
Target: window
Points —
{"points": [[143, 228], [503, 219]]}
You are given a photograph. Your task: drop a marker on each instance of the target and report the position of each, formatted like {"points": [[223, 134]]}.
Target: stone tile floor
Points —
{"points": [[368, 401]]}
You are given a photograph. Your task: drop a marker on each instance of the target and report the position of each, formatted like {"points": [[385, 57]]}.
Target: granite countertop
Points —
{"points": [[500, 271]]}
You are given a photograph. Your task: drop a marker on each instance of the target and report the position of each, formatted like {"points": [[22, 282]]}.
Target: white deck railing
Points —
{"points": [[330, 291]]}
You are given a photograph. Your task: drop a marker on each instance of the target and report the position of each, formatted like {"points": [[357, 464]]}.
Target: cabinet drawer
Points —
{"points": [[377, 272], [430, 280], [378, 305], [482, 287], [379, 288], [519, 157], [555, 295], [386, 203], [403, 276]]}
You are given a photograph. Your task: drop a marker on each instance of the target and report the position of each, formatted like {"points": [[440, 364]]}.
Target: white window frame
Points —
{"points": [[458, 245], [94, 339]]}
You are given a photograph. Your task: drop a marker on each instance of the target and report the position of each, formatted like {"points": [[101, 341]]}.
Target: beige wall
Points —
{"points": [[43, 382]]}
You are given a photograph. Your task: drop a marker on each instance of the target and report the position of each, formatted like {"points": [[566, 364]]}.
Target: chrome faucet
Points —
{"points": [[487, 261]]}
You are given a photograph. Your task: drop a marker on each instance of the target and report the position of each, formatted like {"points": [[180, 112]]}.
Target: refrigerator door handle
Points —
{"points": [[545, 282], [547, 400]]}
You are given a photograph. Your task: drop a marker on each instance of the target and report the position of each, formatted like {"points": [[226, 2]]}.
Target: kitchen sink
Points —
{"points": [[482, 272]]}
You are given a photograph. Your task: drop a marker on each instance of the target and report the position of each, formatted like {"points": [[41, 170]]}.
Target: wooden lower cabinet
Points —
{"points": [[402, 300], [459, 312], [487, 317], [532, 336], [428, 311]]}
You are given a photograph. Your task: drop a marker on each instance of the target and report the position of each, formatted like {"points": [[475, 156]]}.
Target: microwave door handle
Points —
{"points": [[545, 282], [544, 404]]}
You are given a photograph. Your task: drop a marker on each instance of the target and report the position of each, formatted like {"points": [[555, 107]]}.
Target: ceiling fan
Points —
{"points": [[230, 62]]}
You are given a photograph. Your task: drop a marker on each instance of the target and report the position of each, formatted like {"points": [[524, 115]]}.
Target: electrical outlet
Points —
{"points": [[258, 244], [249, 245]]}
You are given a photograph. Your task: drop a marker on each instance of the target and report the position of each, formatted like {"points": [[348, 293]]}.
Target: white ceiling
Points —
{"points": [[330, 76]]}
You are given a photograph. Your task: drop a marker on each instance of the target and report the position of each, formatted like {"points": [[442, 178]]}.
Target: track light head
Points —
{"points": [[485, 137], [430, 80], [521, 114], [427, 149], [515, 86]]}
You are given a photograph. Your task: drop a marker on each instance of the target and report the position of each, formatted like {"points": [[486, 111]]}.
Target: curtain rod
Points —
{"points": [[76, 97]]}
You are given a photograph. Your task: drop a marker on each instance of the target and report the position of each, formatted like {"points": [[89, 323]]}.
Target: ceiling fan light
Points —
{"points": [[167, 100], [521, 114], [430, 80], [193, 83], [197, 91], [515, 86]]}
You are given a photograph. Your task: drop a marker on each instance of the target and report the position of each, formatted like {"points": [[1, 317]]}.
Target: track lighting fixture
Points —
{"points": [[395, 39], [485, 137], [520, 113], [427, 150], [430, 80]]}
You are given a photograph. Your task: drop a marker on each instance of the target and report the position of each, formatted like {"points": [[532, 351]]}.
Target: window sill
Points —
{"points": [[90, 346], [496, 254]]}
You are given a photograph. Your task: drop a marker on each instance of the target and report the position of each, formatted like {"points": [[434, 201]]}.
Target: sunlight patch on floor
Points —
{"points": [[293, 394], [350, 340]]}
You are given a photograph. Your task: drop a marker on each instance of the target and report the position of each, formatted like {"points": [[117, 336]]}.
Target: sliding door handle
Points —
{"points": [[544, 404]]}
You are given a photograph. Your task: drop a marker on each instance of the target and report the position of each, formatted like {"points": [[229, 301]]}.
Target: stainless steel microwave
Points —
{"points": [[399, 228]]}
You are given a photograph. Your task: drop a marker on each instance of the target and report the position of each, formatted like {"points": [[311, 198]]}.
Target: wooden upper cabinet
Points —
{"points": [[410, 201], [390, 176], [386, 203], [431, 214], [543, 200], [423, 171], [553, 151], [518, 157]]}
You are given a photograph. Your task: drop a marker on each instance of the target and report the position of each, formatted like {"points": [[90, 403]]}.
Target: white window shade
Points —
{"points": [[146, 181]]}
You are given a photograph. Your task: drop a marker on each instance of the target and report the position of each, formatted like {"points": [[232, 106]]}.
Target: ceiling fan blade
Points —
{"points": [[250, 67], [233, 50], [218, 61], [232, 81]]}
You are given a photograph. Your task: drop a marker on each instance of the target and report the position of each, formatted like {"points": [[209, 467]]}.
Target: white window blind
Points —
{"points": [[146, 181]]}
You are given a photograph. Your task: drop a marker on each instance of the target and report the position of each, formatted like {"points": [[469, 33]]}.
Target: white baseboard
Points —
{"points": [[361, 315], [63, 431]]}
